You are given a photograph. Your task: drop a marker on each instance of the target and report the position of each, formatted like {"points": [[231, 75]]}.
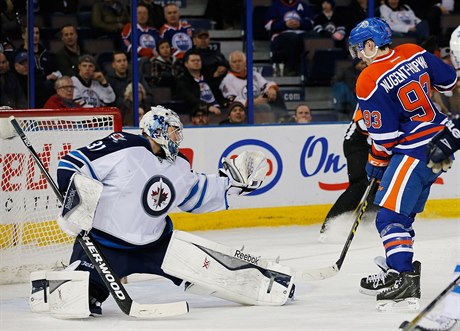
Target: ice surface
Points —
{"points": [[331, 304]]}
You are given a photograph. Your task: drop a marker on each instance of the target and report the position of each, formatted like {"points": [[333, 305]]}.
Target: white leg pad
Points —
{"points": [[227, 273], [68, 294], [39, 297]]}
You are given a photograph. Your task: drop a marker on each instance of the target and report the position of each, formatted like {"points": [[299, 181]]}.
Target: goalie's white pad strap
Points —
{"points": [[79, 205], [68, 294], [39, 296], [228, 273]]}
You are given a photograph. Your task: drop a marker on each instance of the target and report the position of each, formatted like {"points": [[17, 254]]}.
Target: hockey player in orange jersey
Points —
{"points": [[393, 93]]}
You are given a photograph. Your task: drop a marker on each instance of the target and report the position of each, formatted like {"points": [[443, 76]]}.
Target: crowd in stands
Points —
{"points": [[174, 55]]}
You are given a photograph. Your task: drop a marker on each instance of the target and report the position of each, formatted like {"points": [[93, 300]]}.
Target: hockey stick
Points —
{"points": [[326, 272], [408, 326], [91, 248]]}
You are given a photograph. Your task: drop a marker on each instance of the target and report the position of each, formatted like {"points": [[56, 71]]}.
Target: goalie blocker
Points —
{"points": [[214, 269], [79, 205]]}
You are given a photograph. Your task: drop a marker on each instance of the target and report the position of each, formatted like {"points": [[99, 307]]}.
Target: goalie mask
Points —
{"points": [[455, 49], [165, 128], [375, 29]]}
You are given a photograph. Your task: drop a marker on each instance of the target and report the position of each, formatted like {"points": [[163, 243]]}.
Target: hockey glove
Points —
{"points": [[79, 205], [376, 166], [443, 146], [246, 172]]}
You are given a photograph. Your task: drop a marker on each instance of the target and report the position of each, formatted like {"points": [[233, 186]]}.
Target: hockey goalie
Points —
{"points": [[120, 190]]}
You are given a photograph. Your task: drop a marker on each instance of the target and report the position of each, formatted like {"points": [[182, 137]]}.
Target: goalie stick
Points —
{"points": [[326, 272], [91, 248], [408, 326]]}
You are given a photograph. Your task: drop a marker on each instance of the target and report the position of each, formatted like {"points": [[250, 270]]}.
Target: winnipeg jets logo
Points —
{"points": [[158, 195]]}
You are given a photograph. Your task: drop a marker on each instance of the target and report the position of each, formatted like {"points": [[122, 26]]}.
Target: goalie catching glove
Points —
{"points": [[246, 172], [79, 205]]}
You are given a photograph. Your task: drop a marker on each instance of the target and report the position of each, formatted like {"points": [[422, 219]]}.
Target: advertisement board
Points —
{"points": [[307, 164]]}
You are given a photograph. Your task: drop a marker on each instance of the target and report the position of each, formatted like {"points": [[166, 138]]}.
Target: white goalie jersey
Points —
{"points": [[139, 188]]}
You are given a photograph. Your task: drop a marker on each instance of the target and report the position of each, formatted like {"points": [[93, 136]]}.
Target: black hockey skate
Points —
{"points": [[374, 284], [95, 307], [404, 294]]}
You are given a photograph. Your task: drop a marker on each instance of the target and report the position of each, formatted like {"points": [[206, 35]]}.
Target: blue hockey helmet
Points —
{"points": [[165, 128], [375, 29]]}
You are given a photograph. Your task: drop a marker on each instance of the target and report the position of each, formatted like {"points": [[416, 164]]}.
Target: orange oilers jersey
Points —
{"points": [[394, 96]]}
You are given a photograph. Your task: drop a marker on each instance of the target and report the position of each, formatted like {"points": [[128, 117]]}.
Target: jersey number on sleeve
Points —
{"points": [[372, 118], [414, 99], [96, 146]]}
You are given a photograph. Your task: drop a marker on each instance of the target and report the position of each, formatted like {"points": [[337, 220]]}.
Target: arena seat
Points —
{"points": [[96, 46], [57, 21]]}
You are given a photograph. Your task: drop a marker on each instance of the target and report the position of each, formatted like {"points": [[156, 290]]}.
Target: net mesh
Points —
{"points": [[30, 238]]}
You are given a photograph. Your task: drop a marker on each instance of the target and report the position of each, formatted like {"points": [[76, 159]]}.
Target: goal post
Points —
{"points": [[29, 236]]}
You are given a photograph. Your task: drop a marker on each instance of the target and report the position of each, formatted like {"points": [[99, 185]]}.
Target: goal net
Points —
{"points": [[29, 236]]}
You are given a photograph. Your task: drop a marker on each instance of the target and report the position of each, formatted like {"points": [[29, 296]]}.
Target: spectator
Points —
{"points": [[192, 87], [200, 115], [43, 67], [11, 93], [67, 56], [147, 36], [178, 33], [141, 113], [432, 11], [213, 61], [449, 102], [303, 114], [58, 6], [156, 13], [7, 46], [6, 11], [109, 16], [163, 69], [236, 114], [344, 89], [234, 85], [356, 11], [402, 20], [329, 24], [21, 68], [91, 87], [64, 95], [119, 77], [127, 108], [226, 14], [288, 20]]}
